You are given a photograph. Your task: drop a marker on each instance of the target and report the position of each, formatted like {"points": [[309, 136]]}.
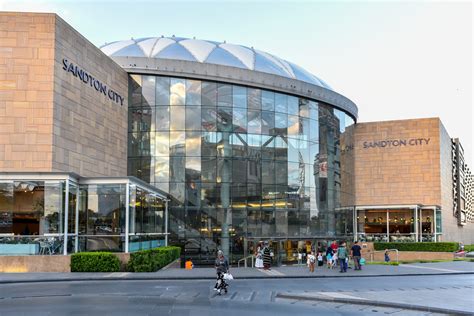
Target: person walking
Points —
{"points": [[259, 258], [311, 261], [267, 258], [356, 255], [386, 256], [222, 266], [342, 256]]}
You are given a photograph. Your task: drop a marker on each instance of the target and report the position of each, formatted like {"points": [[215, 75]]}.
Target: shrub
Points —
{"points": [[418, 246], [153, 259], [94, 262], [468, 248], [390, 263]]}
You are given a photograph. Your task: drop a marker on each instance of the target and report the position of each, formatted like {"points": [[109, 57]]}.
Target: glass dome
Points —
{"points": [[210, 52]]}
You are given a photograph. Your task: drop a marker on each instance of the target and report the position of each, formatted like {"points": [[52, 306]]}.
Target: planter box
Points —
{"points": [[19, 249]]}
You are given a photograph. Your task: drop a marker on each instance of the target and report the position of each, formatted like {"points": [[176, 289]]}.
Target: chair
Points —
{"points": [[45, 246]]}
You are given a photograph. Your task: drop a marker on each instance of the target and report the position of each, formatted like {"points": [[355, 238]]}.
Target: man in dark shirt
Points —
{"points": [[355, 253]]}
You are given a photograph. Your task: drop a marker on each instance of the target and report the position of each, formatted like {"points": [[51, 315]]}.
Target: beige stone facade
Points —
{"points": [[50, 119], [396, 173], [407, 163]]}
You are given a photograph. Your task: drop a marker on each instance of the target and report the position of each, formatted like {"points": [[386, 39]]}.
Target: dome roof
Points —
{"points": [[210, 52]]}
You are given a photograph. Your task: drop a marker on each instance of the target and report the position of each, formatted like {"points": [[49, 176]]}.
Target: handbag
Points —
{"points": [[362, 261], [228, 276]]}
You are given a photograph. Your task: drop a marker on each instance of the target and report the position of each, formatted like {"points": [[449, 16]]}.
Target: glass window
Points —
{"points": [[268, 147], [313, 110], [254, 122], [293, 106], [254, 99], [224, 95], [209, 119], [209, 93], [268, 172], [193, 92], [193, 143], [140, 119], [281, 149], [239, 96], [162, 144], [148, 90], [224, 119], [162, 118], [281, 103], [303, 107], [162, 172], [239, 172], [208, 144], [268, 123], [177, 143], [239, 145], [193, 118], [268, 100], [177, 118], [240, 120], [208, 170], [293, 126], [135, 90], [294, 173], [313, 131], [281, 123], [177, 92], [162, 90]]}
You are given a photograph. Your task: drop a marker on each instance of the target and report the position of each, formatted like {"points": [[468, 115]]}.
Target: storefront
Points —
{"points": [[61, 213], [398, 223]]}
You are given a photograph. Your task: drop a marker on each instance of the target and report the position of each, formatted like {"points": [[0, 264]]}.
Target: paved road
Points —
{"points": [[246, 297]]}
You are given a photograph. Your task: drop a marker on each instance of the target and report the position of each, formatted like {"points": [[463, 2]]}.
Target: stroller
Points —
{"points": [[221, 284]]}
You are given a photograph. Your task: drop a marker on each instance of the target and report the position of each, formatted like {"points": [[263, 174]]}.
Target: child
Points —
{"points": [[311, 261], [329, 259], [189, 265], [386, 256], [320, 259], [334, 261]]}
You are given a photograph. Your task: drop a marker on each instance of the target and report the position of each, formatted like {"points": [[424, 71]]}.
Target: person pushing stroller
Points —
{"points": [[222, 266]]}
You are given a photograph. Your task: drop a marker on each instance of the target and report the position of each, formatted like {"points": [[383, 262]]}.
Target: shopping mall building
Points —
{"points": [[205, 145]]}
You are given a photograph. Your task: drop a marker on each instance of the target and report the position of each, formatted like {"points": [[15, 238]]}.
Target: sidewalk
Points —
{"points": [[456, 267]]}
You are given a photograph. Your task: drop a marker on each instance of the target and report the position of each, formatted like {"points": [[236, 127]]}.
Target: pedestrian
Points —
{"points": [[222, 266], [267, 258], [356, 255], [329, 258], [320, 259], [334, 260], [386, 256], [342, 256], [259, 258], [334, 246], [311, 261]]}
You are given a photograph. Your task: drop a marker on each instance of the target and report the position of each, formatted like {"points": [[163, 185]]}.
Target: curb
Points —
{"points": [[198, 278], [376, 303]]}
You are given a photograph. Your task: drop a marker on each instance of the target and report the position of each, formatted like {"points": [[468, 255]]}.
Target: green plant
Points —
{"points": [[468, 248], [390, 263], [418, 246], [94, 262], [153, 259]]}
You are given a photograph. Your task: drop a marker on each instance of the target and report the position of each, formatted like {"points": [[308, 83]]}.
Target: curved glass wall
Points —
{"points": [[241, 163]]}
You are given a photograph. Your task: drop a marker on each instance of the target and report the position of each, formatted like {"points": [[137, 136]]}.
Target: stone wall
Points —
{"points": [[395, 173], [90, 128], [26, 91], [50, 119]]}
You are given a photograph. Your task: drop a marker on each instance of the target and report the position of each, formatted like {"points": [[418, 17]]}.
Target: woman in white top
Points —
{"points": [[259, 258]]}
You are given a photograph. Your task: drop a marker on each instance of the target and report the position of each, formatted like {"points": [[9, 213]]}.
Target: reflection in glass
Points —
{"points": [[162, 90], [239, 97], [177, 118], [254, 99], [193, 92], [177, 92]]}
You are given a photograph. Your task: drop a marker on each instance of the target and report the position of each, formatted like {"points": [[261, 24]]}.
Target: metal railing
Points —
{"points": [[389, 250], [245, 259]]}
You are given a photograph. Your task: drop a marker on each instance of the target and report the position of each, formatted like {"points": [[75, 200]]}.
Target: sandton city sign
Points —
{"points": [[93, 82], [396, 143]]}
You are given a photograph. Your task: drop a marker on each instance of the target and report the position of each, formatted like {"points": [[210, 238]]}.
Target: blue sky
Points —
{"points": [[394, 59]]}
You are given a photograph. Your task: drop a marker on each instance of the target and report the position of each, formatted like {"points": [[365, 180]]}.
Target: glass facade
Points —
{"points": [[34, 218], [240, 163]]}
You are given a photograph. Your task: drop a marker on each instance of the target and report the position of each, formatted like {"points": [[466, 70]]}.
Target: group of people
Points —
{"points": [[263, 256], [336, 254]]}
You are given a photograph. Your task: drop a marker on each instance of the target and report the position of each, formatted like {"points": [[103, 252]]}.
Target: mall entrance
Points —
{"points": [[286, 250]]}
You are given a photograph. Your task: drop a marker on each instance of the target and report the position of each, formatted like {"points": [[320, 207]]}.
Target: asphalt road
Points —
{"points": [[246, 297]]}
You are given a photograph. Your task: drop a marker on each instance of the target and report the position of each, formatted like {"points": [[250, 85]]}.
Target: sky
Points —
{"points": [[394, 59]]}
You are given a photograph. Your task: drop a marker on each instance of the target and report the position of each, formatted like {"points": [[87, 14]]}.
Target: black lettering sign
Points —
{"points": [[396, 143], [87, 78]]}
